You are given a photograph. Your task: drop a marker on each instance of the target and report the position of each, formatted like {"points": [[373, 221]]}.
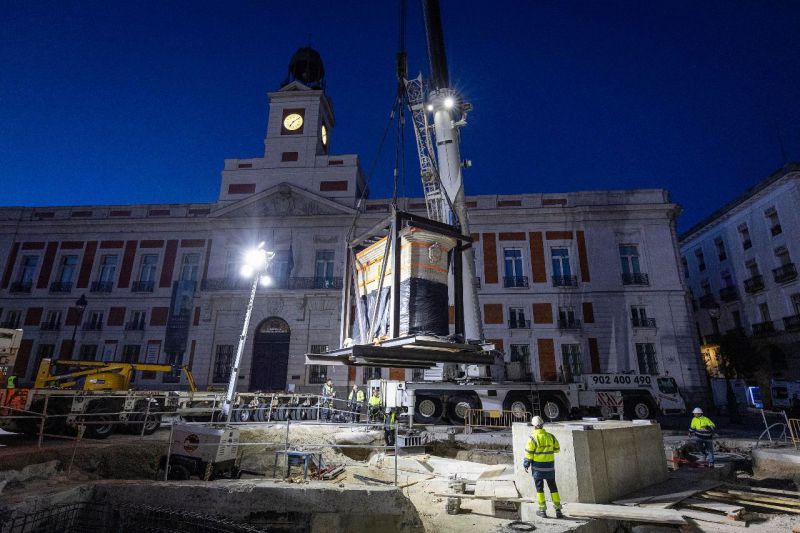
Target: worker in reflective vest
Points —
{"points": [[702, 429], [375, 405], [388, 427], [356, 399], [328, 394], [540, 455]]}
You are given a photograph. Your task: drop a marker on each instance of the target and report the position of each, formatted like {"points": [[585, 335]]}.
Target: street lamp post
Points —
{"points": [[81, 304], [255, 265]]}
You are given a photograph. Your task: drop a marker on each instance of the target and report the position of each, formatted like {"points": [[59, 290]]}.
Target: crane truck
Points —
{"points": [[438, 113]]}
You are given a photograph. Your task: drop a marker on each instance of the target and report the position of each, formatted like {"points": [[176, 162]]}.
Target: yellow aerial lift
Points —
{"points": [[97, 375]]}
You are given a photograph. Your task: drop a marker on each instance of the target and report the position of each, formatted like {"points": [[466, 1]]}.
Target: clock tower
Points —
{"points": [[301, 115]]}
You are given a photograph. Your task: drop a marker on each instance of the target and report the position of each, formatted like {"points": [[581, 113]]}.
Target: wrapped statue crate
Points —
{"points": [[423, 285]]}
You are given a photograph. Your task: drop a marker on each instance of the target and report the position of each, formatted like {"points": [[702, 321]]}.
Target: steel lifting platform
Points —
{"points": [[413, 351]]}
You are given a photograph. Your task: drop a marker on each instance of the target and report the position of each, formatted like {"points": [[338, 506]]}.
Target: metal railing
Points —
{"points": [[784, 273], [643, 322], [519, 324], [10, 324], [493, 419], [515, 281], [50, 326], [21, 286], [61, 286], [303, 283], [101, 286], [763, 328], [791, 323], [728, 294], [92, 326], [565, 323], [794, 431], [142, 286], [134, 325], [565, 281], [635, 278], [754, 284]]}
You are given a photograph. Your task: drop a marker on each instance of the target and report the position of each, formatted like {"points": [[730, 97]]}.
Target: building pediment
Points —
{"points": [[282, 200]]}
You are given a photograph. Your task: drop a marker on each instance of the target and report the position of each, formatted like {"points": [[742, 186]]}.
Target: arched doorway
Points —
{"points": [[270, 356]]}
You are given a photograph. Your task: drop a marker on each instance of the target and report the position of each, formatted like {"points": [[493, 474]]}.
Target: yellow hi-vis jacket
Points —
{"points": [[375, 401], [359, 396], [702, 428], [540, 451]]}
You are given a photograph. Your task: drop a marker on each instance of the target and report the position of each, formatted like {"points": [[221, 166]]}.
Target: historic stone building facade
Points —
{"points": [[570, 283], [740, 266]]}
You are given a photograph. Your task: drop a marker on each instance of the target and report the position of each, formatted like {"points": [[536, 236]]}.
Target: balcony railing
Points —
{"points": [[519, 324], [50, 326], [92, 326], [61, 286], [776, 230], [565, 281], [643, 322], [728, 294], [784, 273], [142, 286], [707, 301], [763, 328], [791, 323], [21, 286], [569, 323], [235, 284], [636, 278], [102, 286], [754, 284], [515, 281], [10, 324], [137, 325]]}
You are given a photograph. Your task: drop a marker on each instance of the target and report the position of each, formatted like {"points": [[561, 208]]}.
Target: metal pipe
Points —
{"points": [[226, 407], [437, 59]]}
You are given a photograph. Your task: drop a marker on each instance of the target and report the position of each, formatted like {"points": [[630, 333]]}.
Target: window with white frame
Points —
{"points": [[513, 273], [190, 266], [752, 268], [744, 236], [726, 278], [67, 266], [794, 299], [317, 373], [12, 319], [646, 357], [782, 256], [108, 268], [233, 263], [566, 317], [323, 267], [560, 259], [572, 366], [521, 353], [52, 320], [701, 260], [28, 269], [516, 318], [223, 361], [370, 372], [719, 244], [773, 221], [137, 320], [94, 320], [629, 257], [147, 269], [763, 310], [639, 317]]}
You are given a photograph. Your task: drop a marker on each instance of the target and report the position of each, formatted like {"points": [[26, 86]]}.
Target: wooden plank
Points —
{"points": [[624, 512], [766, 499], [750, 503], [666, 494], [714, 506], [794, 493], [709, 517]]}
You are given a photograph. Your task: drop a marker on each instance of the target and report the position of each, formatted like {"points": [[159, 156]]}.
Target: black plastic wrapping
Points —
{"points": [[423, 307]]}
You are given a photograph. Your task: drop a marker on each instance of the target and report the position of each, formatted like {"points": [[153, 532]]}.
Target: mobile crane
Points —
{"points": [[438, 113]]}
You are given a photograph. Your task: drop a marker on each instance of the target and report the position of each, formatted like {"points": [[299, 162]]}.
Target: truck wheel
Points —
{"points": [[639, 408], [428, 410], [457, 409], [518, 405], [553, 409], [99, 423]]}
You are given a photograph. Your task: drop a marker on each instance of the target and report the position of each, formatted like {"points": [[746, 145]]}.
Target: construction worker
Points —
{"points": [[702, 429], [540, 454], [10, 382], [356, 399], [375, 405], [328, 394], [388, 426]]}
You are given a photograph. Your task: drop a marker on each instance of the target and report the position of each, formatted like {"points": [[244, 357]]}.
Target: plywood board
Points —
{"points": [[624, 512], [666, 494]]}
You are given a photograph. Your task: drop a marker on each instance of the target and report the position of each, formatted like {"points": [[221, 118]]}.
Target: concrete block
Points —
{"points": [[783, 463], [596, 465]]}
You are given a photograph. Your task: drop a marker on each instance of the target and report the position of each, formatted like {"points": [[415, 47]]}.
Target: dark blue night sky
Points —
{"points": [[140, 102]]}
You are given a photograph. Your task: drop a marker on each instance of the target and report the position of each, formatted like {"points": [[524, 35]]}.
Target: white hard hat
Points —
{"points": [[388, 409], [537, 421], [697, 411]]}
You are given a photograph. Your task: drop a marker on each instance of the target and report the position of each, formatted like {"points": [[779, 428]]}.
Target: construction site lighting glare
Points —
{"points": [[266, 281], [246, 271], [430, 107], [449, 102]]}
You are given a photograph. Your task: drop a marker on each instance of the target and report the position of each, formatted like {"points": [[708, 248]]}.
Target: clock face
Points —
{"points": [[293, 122], [324, 134]]}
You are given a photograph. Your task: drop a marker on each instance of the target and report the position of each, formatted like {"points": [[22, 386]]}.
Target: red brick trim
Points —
{"points": [[241, 188]]}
